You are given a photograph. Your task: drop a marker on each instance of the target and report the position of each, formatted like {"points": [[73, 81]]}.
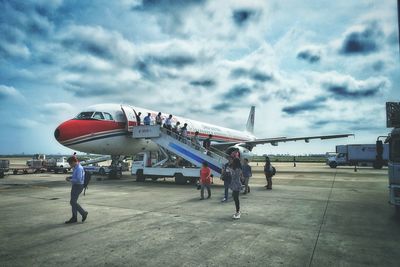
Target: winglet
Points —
{"points": [[250, 120]]}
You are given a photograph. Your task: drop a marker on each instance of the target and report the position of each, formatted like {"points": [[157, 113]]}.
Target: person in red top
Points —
{"points": [[205, 180]]}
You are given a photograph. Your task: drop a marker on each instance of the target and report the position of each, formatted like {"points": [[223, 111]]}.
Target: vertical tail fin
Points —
{"points": [[250, 120]]}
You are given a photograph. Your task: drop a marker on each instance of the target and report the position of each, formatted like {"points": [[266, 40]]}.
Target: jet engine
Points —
{"points": [[245, 153]]}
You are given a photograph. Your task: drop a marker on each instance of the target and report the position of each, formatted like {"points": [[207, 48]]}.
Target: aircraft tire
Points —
{"points": [[377, 165], [333, 165], [139, 176], [180, 179]]}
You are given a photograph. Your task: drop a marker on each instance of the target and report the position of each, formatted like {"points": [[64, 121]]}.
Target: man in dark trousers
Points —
{"points": [[77, 179], [268, 171]]}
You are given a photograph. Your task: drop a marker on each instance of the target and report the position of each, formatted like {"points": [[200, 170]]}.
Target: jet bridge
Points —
{"points": [[182, 147]]}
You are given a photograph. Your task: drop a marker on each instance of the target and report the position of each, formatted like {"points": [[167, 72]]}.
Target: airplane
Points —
{"points": [[107, 128]]}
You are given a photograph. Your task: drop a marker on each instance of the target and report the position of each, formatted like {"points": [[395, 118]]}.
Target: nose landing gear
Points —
{"points": [[116, 167]]}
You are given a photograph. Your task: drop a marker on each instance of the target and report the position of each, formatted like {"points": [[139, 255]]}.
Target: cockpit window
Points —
{"points": [[108, 116], [98, 116], [87, 115]]}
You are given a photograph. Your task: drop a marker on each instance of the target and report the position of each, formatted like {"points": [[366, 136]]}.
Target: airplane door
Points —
{"points": [[130, 116]]}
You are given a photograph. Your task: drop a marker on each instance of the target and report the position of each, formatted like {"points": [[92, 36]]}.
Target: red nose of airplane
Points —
{"points": [[66, 130], [79, 130]]}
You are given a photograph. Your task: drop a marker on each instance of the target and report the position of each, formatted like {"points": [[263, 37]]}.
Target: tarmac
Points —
{"points": [[314, 216]]}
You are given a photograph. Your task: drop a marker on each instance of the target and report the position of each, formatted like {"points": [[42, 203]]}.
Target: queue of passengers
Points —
{"points": [[180, 133]]}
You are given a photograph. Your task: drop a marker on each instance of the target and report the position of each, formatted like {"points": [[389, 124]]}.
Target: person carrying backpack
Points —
{"points": [[226, 177], [269, 171], [77, 180]]}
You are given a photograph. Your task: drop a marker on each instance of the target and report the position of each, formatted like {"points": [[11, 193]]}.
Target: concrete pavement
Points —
{"points": [[314, 216]]}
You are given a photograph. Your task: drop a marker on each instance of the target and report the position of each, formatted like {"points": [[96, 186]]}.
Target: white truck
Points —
{"points": [[358, 154], [57, 165], [151, 165]]}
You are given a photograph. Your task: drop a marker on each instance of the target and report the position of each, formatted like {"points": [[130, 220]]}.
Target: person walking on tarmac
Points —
{"points": [[246, 175], [205, 180], [159, 119], [236, 185], [226, 177], [77, 179], [269, 172]]}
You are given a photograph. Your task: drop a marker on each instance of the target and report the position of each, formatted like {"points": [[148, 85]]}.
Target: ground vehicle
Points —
{"points": [[393, 120], [38, 160], [358, 154], [4, 167], [57, 165], [150, 165], [94, 168]]}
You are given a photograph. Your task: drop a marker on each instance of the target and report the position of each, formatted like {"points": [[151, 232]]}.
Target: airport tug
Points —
{"points": [[393, 121]]}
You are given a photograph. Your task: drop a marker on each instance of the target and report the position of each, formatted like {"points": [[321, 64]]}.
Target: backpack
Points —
{"points": [[88, 176], [273, 171], [226, 176]]}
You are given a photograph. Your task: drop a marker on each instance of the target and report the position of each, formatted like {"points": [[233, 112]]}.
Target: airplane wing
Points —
{"points": [[275, 141]]}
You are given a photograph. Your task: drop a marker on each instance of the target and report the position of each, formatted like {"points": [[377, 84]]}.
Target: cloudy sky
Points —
{"points": [[309, 67]]}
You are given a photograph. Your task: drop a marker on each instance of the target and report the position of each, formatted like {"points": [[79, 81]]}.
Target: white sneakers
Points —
{"points": [[236, 216], [223, 200]]}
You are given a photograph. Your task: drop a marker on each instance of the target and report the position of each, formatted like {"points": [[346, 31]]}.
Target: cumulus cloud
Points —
{"points": [[347, 87], [22, 24], [23, 123], [9, 92], [205, 57], [242, 16], [99, 42], [310, 105], [253, 74], [362, 39], [203, 83], [310, 54], [237, 92]]}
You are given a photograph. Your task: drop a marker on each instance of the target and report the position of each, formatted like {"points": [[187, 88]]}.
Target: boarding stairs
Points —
{"points": [[182, 147]]}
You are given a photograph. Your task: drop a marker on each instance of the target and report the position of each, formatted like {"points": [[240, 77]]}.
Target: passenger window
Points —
{"points": [[98, 116], [108, 116]]}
